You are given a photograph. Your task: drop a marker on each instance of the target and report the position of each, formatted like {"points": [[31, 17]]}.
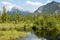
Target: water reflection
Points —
{"points": [[32, 36], [58, 37]]}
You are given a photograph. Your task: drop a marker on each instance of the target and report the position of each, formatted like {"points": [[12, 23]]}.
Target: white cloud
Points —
{"points": [[48, 1], [34, 3], [9, 5], [37, 4]]}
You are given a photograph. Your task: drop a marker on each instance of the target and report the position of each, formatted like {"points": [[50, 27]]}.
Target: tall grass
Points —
{"points": [[12, 35], [9, 31]]}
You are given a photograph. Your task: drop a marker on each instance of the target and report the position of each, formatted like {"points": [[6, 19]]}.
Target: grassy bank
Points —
{"points": [[12, 35], [10, 31], [17, 27]]}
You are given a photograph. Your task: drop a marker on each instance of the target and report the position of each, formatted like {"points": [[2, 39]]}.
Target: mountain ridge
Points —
{"points": [[52, 7], [18, 10]]}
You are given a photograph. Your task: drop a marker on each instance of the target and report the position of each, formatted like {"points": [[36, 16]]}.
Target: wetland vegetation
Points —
{"points": [[17, 26]]}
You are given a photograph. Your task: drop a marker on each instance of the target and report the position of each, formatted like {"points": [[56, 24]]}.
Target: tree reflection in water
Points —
{"points": [[48, 33]]}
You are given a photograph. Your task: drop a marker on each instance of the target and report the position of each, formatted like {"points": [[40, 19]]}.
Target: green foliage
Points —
{"points": [[41, 25], [12, 35]]}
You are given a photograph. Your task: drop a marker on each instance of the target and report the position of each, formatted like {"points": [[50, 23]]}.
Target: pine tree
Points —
{"points": [[3, 17]]}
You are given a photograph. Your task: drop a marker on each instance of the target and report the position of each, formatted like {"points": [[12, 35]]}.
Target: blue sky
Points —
{"points": [[28, 5]]}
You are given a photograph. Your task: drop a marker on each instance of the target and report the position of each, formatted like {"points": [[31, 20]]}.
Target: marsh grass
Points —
{"points": [[17, 27], [12, 35], [12, 31], [7, 26]]}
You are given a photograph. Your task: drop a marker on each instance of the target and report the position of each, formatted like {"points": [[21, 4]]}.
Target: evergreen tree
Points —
{"points": [[3, 17]]}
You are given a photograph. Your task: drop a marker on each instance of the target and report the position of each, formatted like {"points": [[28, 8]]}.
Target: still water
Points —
{"points": [[32, 36]]}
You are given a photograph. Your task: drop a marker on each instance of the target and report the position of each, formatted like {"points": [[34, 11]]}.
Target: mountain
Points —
{"points": [[18, 10], [50, 8]]}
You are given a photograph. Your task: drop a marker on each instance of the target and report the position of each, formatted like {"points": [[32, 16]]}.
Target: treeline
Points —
{"points": [[17, 17], [6, 16], [49, 20]]}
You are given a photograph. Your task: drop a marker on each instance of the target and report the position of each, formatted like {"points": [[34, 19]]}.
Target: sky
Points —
{"points": [[26, 5]]}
